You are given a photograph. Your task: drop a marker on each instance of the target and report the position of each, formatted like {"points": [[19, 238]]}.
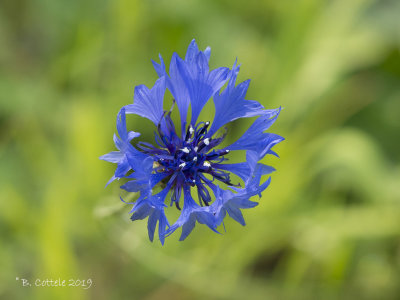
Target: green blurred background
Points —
{"points": [[327, 228]]}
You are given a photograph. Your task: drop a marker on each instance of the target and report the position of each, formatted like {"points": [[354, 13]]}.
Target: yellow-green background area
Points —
{"points": [[328, 227]]}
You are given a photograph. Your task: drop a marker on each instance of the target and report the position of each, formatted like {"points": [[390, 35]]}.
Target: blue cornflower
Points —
{"points": [[189, 162]]}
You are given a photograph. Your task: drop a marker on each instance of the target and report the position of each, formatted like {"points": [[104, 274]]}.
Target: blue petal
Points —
{"points": [[207, 53], [188, 227], [111, 180], [255, 139], [235, 213], [270, 140], [114, 156], [152, 206], [135, 158], [120, 144], [143, 175], [143, 183], [134, 186], [143, 166], [176, 85], [148, 103], [123, 144], [132, 135], [142, 212], [160, 67], [122, 168], [121, 127], [266, 169], [192, 51], [191, 213], [152, 222], [196, 61], [240, 169], [253, 187], [231, 203], [162, 225], [200, 83], [231, 104], [252, 157]]}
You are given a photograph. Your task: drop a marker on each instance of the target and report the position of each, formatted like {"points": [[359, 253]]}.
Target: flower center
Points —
{"points": [[190, 160]]}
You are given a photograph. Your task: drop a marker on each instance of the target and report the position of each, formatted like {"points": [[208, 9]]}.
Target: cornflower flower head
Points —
{"points": [[188, 160]]}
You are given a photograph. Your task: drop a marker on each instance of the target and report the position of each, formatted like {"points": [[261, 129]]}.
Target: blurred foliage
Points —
{"points": [[327, 228]]}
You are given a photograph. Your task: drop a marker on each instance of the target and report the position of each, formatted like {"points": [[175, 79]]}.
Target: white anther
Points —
{"points": [[195, 158], [194, 181], [207, 141], [227, 151], [191, 130], [207, 123], [182, 165], [186, 150], [196, 148], [206, 164]]}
